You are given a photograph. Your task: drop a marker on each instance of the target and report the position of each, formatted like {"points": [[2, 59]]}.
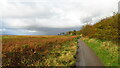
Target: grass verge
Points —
{"points": [[105, 50]]}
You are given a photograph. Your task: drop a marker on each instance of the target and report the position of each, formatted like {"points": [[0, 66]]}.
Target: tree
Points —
{"points": [[87, 30], [74, 32]]}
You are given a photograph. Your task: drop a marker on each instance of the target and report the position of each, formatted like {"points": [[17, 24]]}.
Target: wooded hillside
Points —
{"points": [[106, 29]]}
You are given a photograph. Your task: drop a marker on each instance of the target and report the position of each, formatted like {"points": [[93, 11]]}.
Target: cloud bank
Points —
{"points": [[47, 17]]}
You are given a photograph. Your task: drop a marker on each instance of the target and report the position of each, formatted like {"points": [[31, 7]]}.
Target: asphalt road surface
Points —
{"points": [[86, 56]]}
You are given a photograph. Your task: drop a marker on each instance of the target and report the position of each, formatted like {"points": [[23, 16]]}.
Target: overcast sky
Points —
{"points": [[46, 17]]}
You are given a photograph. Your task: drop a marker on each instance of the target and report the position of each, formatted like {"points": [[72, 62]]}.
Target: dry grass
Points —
{"points": [[39, 50]]}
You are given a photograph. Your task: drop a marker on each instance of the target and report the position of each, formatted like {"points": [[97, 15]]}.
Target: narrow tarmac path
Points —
{"points": [[86, 56]]}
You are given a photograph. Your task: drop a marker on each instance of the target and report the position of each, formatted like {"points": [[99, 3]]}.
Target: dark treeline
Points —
{"points": [[71, 33]]}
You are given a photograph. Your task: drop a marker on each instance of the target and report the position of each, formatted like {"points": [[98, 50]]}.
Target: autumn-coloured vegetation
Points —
{"points": [[103, 37], [39, 50], [106, 29]]}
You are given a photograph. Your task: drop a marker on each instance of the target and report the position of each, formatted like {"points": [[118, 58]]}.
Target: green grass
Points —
{"points": [[105, 50], [64, 55]]}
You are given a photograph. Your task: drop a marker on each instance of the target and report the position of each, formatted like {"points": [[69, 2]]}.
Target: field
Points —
{"points": [[107, 51], [39, 50]]}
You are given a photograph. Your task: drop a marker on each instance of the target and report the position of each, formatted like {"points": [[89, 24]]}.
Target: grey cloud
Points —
{"points": [[119, 7], [51, 16], [39, 31], [89, 19], [86, 20]]}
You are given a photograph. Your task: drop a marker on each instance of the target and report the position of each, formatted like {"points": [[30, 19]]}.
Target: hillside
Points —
{"points": [[106, 29], [103, 38]]}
